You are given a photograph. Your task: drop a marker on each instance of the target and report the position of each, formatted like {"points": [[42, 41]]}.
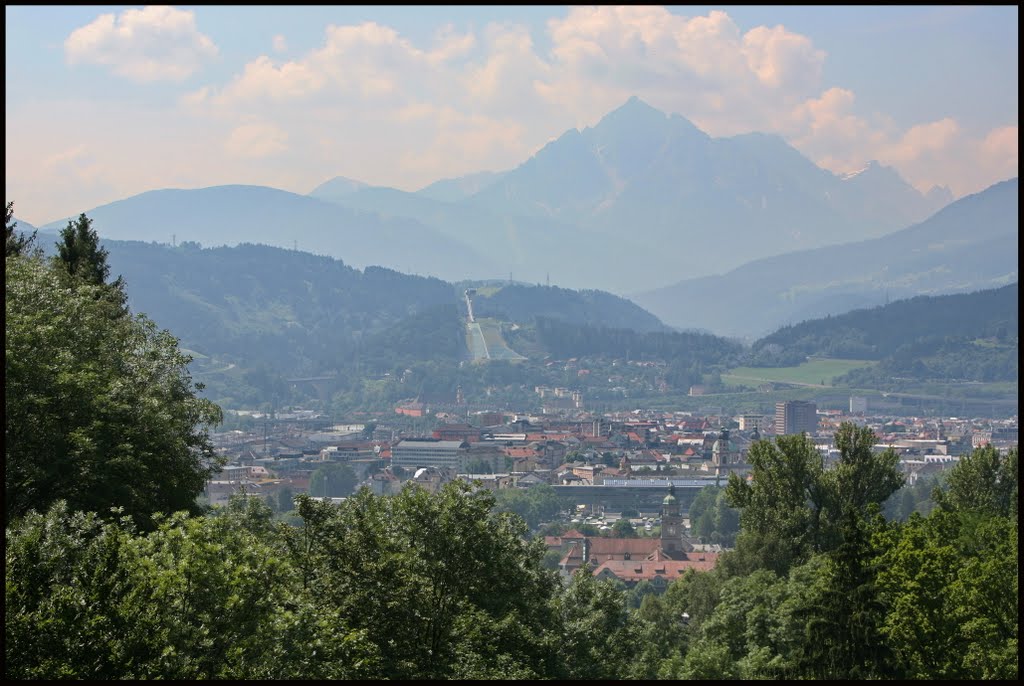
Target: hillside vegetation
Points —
{"points": [[971, 336]]}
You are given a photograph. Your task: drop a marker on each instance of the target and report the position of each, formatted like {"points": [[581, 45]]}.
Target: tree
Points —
{"points": [[101, 410], [781, 508], [535, 504], [333, 480], [80, 255], [844, 626], [285, 500], [196, 598], [16, 244], [622, 528], [598, 638], [712, 519], [794, 507], [444, 587], [984, 482], [861, 477], [731, 641], [950, 585], [79, 252], [847, 620]]}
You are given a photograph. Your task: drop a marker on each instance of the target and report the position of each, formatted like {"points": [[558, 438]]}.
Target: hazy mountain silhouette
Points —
{"points": [[229, 215], [969, 245]]}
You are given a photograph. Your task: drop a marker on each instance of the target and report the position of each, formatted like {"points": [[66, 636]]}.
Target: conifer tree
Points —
{"points": [[16, 244]]}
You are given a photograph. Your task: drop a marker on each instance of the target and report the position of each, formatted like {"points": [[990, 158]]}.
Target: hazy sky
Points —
{"points": [[105, 102]]}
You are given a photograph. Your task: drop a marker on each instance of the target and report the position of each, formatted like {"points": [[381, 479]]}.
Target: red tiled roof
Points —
{"points": [[611, 548], [639, 570]]}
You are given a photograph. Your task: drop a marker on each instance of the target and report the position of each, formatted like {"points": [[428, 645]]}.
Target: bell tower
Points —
{"points": [[671, 523]]}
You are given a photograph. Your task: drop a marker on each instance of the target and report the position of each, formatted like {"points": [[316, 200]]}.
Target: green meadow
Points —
{"points": [[813, 372]]}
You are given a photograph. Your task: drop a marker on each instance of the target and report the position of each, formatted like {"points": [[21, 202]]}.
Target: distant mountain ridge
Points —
{"points": [[231, 215], [963, 337], [452, 190], [654, 187], [972, 244], [663, 184], [640, 200], [877, 332], [304, 313]]}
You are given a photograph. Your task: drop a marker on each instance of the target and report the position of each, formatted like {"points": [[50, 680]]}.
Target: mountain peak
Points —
{"points": [[874, 170], [337, 187], [634, 112], [940, 195]]}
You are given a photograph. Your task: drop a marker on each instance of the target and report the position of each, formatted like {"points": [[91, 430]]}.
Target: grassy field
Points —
{"points": [[486, 342], [496, 345], [817, 372], [475, 341]]}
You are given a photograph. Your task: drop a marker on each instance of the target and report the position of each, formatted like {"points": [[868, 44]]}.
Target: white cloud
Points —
{"points": [[152, 44], [256, 140], [941, 153], [1000, 152], [703, 67], [262, 80], [922, 140], [782, 59], [370, 104]]}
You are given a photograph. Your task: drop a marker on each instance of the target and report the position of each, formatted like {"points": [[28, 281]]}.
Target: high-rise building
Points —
{"points": [[414, 453], [796, 416], [858, 404]]}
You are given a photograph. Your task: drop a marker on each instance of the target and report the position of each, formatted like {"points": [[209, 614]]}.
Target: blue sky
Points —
{"points": [[104, 102]]}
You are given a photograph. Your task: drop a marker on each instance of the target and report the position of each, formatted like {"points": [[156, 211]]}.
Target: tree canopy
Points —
{"points": [[17, 244], [101, 410]]}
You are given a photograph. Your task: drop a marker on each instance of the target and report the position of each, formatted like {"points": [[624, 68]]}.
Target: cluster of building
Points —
{"points": [[603, 463]]}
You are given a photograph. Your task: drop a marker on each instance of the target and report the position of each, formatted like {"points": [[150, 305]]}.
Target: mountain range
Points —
{"points": [[969, 245], [232, 215], [636, 202], [303, 313]]}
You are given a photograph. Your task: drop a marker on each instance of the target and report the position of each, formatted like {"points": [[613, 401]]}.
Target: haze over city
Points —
{"points": [[107, 102]]}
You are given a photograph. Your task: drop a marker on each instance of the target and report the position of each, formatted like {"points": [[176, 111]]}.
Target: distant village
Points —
{"points": [[649, 465]]}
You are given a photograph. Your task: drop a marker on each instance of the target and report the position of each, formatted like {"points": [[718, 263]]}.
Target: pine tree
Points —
{"points": [[16, 244], [80, 255]]}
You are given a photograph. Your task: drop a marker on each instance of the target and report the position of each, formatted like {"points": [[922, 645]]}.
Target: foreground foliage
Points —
{"points": [[100, 410], [446, 586]]}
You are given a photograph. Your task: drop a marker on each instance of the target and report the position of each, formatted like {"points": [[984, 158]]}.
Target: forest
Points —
{"points": [[962, 337], [114, 571]]}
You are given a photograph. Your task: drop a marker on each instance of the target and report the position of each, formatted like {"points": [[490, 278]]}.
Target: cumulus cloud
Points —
{"points": [[152, 44], [999, 152], [474, 140], [371, 104], [261, 79], [941, 153], [703, 67], [782, 59], [256, 140], [922, 140]]}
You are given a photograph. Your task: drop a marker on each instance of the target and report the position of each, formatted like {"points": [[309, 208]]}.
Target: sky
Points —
{"points": [[105, 102]]}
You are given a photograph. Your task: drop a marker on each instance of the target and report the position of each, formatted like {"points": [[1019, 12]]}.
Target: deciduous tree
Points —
{"points": [[101, 410]]}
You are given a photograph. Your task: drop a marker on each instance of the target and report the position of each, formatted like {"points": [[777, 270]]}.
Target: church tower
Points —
{"points": [[671, 524], [720, 456]]}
